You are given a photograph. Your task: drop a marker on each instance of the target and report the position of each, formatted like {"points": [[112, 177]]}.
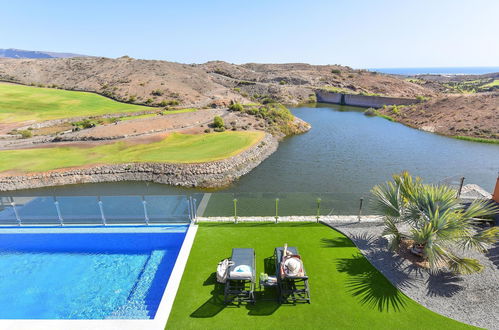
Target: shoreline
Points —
{"points": [[202, 175]]}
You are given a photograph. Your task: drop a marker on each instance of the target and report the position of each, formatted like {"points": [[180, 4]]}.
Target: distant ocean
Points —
{"points": [[448, 70]]}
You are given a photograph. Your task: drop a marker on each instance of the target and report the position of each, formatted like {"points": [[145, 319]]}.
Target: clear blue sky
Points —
{"points": [[362, 34]]}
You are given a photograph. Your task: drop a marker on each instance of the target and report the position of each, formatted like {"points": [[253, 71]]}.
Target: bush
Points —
{"points": [[236, 107], [219, 129], [282, 82], [336, 71], [268, 100], [149, 101], [157, 92], [132, 98], [218, 122], [26, 134], [207, 130], [85, 123], [395, 110]]}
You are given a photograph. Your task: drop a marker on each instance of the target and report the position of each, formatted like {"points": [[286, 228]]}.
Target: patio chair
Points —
{"points": [[292, 288], [241, 277]]}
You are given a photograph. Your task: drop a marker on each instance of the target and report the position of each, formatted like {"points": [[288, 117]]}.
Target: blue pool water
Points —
{"points": [[94, 275]]}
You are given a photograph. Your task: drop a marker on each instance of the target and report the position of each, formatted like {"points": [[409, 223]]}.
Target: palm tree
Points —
{"points": [[434, 220]]}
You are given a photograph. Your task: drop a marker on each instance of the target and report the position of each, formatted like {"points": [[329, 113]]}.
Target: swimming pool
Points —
{"points": [[86, 272]]}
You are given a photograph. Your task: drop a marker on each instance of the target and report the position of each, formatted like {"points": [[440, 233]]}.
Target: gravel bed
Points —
{"points": [[472, 299]]}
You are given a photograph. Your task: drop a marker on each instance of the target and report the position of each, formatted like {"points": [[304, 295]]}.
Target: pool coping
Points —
{"points": [[159, 321]]}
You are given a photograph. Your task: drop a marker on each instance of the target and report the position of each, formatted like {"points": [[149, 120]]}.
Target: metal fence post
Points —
{"points": [[276, 210], [235, 210], [195, 209], [59, 215], [460, 187], [360, 207], [144, 204], [318, 209], [101, 208], [18, 219]]}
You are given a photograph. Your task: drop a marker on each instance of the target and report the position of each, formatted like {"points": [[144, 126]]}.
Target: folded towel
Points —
{"points": [[241, 271]]}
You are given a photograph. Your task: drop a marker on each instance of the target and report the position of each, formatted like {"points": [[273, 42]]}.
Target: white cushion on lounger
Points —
{"points": [[241, 271]]}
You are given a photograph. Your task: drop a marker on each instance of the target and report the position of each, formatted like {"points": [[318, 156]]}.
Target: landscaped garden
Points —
{"points": [[21, 103], [347, 291], [175, 148]]}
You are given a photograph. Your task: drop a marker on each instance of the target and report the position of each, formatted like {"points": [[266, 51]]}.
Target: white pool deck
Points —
{"points": [[164, 309]]}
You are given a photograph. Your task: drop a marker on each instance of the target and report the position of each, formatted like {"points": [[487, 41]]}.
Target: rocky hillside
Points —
{"points": [[210, 84], [471, 115]]}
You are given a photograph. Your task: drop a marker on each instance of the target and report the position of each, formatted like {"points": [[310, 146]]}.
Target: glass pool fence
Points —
{"points": [[158, 209]]}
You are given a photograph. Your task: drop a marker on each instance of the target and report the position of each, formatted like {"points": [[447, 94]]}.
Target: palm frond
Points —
{"points": [[480, 208], [464, 266], [479, 240], [391, 233], [387, 199]]}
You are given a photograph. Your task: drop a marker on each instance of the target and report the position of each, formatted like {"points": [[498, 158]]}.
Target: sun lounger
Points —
{"points": [[292, 283], [241, 277]]}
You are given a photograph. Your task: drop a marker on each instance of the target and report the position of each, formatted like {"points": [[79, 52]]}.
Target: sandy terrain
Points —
{"points": [[473, 115], [199, 84]]}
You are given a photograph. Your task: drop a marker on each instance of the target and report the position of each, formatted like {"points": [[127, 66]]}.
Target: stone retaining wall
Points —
{"points": [[207, 175], [361, 100]]}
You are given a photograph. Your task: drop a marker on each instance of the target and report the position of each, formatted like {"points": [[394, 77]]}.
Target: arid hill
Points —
{"points": [[210, 84], [472, 115]]}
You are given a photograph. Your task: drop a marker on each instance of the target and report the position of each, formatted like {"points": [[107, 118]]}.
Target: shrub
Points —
{"points": [[336, 71], [395, 110], [85, 123], [218, 122], [219, 129], [157, 92], [149, 101], [207, 130], [268, 100], [282, 82], [26, 134], [370, 112], [132, 98], [236, 107], [163, 103]]}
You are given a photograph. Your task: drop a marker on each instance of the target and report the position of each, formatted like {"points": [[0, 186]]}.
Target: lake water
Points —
{"points": [[345, 153]]}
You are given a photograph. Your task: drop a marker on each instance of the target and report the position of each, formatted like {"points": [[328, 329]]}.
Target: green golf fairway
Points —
{"points": [[20, 103], [175, 148]]}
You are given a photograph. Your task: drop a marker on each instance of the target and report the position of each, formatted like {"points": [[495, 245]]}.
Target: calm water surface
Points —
{"points": [[346, 153]]}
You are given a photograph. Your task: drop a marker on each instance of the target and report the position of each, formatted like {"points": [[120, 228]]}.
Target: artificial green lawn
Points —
{"points": [[346, 291], [21, 103], [176, 148]]}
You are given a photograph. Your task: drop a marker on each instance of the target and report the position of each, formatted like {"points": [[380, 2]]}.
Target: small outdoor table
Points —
{"points": [[265, 283]]}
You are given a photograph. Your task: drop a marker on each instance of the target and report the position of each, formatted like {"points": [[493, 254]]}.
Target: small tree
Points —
{"points": [[433, 221], [218, 122]]}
